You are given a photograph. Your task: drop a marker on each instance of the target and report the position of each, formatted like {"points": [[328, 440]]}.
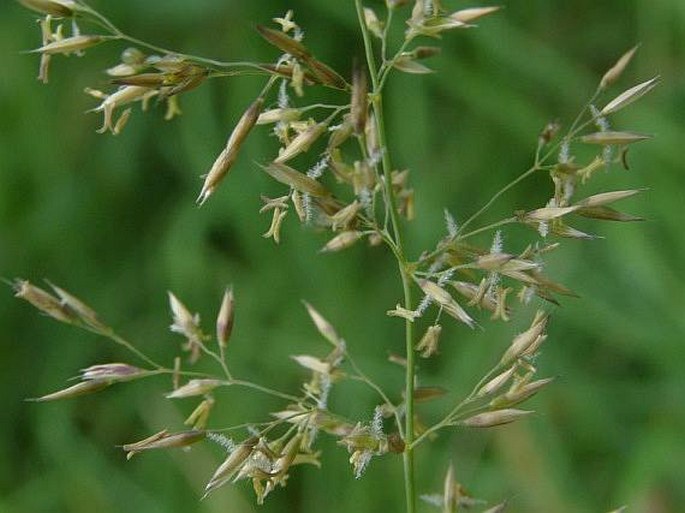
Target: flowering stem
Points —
{"points": [[497, 195], [576, 128], [268, 391], [398, 251], [448, 419], [492, 226], [105, 23], [114, 337], [361, 376], [219, 358]]}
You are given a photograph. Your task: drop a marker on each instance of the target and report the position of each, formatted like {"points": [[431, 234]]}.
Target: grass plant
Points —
{"points": [[339, 175]]}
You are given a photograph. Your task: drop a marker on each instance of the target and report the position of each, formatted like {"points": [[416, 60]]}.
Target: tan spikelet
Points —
{"points": [[70, 45], [613, 74], [611, 137], [228, 156], [298, 181], [629, 96], [494, 418]]}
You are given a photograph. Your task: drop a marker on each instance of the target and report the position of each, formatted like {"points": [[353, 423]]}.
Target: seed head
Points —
{"points": [[492, 261], [231, 465], [431, 26], [302, 142], [325, 74], [59, 8], [79, 308], [187, 325], [548, 213], [359, 103], [83, 388], [407, 64], [471, 14], [225, 318], [288, 455], [629, 96], [132, 55], [123, 96], [364, 442], [151, 80], [164, 440], [605, 198], [313, 364], [298, 181], [281, 114], [342, 241], [339, 134], [496, 383], [195, 387], [346, 215], [475, 294], [70, 45], [614, 73], [607, 214], [325, 328], [451, 492], [372, 22], [519, 393], [284, 42], [528, 340], [222, 165], [112, 371], [549, 132], [197, 420], [494, 418], [446, 301], [428, 345], [610, 138], [44, 301], [184, 322]]}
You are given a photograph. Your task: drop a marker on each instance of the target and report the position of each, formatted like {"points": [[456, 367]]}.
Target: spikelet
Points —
{"points": [[222, 165]]}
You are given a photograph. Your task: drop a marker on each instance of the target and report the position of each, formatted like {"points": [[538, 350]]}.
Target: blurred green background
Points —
{"points": [[113, 220]]}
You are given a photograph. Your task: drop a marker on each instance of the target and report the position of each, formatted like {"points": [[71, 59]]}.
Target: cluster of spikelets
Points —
{"points": [[266, 455], [265, 460], [141, 77], [348, 189]]}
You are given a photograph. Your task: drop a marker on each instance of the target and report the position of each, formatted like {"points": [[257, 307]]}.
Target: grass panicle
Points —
{"points": [[335, 169]]}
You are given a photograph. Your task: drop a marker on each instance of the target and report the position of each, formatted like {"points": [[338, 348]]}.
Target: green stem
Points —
{"points": [[265, 390], [497, 195], [576, 128], [219, 358], [387, 66], [409, 485], [448, 419], [114, 337], [105, 23], [361, 376], [492, 226], [377, 106]]}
